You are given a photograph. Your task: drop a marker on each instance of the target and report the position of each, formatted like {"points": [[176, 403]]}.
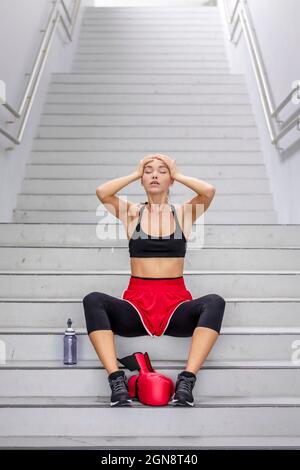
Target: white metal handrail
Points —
{"points": [[58, 11], [277, 128]]}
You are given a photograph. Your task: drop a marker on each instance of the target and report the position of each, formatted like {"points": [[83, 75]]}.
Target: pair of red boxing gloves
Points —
{"points": [[148, 386]]}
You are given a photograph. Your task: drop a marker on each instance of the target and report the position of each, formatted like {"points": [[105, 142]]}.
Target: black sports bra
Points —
{"points": [[143, 245]]}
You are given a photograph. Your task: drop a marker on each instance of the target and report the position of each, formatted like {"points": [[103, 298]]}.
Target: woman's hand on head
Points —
{"points": [[140, 168], [170, 162]]}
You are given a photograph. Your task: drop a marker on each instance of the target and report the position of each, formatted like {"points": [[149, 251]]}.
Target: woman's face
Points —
{"points": [[156, 171]]}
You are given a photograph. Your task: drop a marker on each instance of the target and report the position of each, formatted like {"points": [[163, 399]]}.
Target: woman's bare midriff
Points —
{"points": [[158, 266]]}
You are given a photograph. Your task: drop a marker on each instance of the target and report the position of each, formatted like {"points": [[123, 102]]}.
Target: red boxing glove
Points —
{"points": [[149, 386]]}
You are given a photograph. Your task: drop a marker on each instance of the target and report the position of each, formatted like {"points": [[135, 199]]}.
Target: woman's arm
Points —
{"points": [[199, 186], [113, 186], [195, 207], [117, 206]]}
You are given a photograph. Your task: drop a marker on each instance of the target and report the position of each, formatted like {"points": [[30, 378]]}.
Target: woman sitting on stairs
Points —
{"points": [[156, 300]]}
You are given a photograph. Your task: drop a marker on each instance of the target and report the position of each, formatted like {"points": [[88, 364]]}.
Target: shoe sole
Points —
{"points": [[121, 403], [182, 403]]}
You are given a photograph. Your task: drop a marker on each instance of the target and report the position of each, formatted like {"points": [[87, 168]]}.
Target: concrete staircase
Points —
{"points": [[148, 80]]}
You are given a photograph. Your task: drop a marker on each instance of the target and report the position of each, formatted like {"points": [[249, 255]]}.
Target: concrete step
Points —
{"points": [[89, 217], [83, 171], [226, 79], [216, 52], [151, 11], [172, 39], [147, 38], [191, 23], [118, 143], [74, 284], [142, 31], [101, 401], [210, 259], [209, 420], [244, 345], [187, 158], [67, 186], [168, 63], [146, 19], [175, 67], [154, 109], [144, 88], [54, 313], [80, 202], [150, 442], [144, 12], [178, 8], [152, 65], [166, 52], [203, 21], [204, 29], [248, 380], [189, 28], [151, 55], [85, 235], [155, 131], [176, 16], [129, 98], [238, 123]]}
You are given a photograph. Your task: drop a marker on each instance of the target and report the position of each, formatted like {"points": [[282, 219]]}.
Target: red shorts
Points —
{"points": [[156, 300]]}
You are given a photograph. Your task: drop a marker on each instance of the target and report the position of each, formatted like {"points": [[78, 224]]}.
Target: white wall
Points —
{"points": [[276, 24], [20, 36]]}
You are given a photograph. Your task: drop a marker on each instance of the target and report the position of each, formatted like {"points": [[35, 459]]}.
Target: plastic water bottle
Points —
{"points": [[70, 344]]}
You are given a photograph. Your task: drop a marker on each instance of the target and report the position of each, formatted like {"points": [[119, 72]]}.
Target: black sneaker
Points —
{"points": [[183, 395], [118, 383]]}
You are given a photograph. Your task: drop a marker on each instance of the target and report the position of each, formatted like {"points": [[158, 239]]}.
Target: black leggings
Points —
{"points": [[106, 312]]}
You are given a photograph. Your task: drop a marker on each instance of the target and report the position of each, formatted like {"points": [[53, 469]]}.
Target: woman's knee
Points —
{"points": [[218, 301], [218, 307], [214, 313], [95, 311], [93, 303], [93, 298]]}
